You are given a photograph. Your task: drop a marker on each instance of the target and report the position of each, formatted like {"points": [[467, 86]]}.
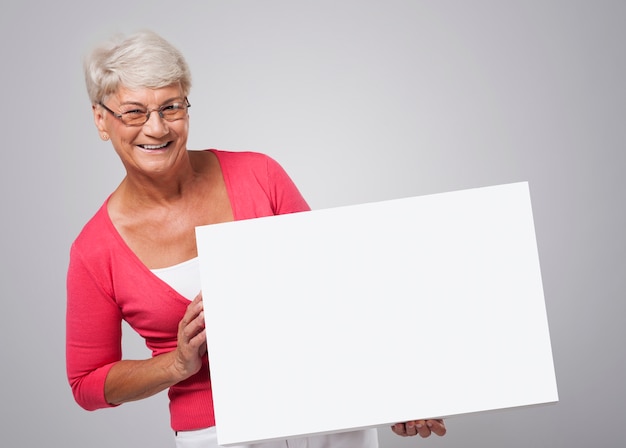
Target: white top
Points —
{"points": [[184, 277]]}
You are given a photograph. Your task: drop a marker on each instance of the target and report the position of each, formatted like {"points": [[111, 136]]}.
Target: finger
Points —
{"points": [[202, 350], [197, 303], [422, 428], [399, 429], [411, 428], [193, 309], [198, 343], [191, 313], [437, 426], [195, 327], [192, 323]]}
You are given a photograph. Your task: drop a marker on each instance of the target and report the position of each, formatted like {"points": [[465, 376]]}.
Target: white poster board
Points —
{"points": [[372, 314]]}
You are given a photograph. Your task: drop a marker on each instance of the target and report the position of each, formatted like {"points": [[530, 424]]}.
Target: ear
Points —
{"points": [[98, 118]]}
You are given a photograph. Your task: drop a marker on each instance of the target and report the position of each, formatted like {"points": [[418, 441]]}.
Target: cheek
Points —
{"points": [[181, 128], [185, 125], [123, 139]]}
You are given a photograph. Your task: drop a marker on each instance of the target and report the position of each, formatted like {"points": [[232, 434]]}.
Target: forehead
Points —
{"points": [[147, 96]]}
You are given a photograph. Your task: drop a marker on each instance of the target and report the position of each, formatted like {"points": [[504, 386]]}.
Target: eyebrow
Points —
{"points": [[135, 103]]}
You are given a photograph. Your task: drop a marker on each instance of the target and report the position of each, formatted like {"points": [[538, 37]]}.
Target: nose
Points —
{"points": [[155, 126]]}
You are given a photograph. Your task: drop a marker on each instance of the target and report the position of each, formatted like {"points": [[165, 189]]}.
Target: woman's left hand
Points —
{"points": [[423, 428]]}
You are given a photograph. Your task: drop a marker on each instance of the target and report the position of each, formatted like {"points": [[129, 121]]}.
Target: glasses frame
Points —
{"points": [[120, 116]]}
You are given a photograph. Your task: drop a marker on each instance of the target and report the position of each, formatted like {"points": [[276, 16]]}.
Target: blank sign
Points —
{"points": [[366, 315]]}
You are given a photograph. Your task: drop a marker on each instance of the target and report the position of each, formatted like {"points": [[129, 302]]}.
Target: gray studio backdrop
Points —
{"points": [[360, 101]]}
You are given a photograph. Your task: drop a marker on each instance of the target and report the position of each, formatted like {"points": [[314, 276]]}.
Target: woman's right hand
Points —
{"points": [[130, 380], [191, 339]]}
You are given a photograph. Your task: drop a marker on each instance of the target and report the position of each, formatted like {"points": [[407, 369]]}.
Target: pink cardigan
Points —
{"points": [[107, 283]]}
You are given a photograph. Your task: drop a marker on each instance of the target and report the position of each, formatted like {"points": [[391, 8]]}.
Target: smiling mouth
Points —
{"points": [[154, 147]]}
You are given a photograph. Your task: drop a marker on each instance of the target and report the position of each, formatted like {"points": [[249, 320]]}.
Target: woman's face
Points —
{"points": [[157, 145]]}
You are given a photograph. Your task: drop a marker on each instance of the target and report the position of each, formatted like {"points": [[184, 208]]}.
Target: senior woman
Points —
{"points": [[136, 258]]}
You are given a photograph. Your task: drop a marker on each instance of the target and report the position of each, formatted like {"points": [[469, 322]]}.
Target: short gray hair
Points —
{"points": [[141, 60]]}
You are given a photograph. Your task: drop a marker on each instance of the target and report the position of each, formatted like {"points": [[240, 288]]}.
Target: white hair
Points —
{"points": [[141, 60]]}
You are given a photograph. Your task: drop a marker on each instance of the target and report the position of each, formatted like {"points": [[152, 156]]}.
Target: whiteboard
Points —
{"points": [[367, 315]]}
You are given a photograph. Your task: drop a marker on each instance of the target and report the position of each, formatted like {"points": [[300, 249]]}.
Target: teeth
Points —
{"points": [[154, 146]]}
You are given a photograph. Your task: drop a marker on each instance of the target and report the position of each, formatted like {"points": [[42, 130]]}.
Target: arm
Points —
{"points": [[93, 335], [97, 375], [133, 380]]}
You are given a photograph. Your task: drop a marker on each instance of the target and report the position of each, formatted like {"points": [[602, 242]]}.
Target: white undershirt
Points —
{"points": [[184, 277]]}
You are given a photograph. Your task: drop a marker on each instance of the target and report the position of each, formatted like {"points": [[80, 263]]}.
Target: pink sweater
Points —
{"points": [[107, 283]]}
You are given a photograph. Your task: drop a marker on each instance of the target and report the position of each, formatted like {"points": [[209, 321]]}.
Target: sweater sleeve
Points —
{"points": [[284, 195], [93, 334]]}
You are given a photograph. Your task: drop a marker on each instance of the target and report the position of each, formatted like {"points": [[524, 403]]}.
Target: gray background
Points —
{"points": [[360, 101]]}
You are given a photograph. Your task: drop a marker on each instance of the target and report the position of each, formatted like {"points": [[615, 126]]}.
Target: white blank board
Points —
{"points": [[367, 315]]}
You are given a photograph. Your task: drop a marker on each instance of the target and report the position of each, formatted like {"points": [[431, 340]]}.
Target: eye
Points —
{"points": [[134, 112], [172, 107]]}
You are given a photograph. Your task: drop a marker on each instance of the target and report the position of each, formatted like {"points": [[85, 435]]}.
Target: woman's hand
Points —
{"points": [[191, 339], [423, 428], [130, 380]]}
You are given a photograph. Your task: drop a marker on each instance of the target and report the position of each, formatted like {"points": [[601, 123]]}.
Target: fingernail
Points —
{"points": [[419, 425]]}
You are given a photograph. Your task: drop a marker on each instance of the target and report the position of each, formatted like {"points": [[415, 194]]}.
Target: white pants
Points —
{"points": [[207, 438]]}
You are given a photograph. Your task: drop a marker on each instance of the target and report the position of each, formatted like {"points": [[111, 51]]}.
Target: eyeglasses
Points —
{"points": [[138, 115]]}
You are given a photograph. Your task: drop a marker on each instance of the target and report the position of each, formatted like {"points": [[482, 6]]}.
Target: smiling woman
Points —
{"points": [[136, 259]]}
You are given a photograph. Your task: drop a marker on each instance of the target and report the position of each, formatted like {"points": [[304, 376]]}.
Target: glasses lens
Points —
{"points": [[134, 117], [174, 111]]}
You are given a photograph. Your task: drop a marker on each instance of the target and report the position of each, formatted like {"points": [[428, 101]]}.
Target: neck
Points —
{"points": [[139, 189]]}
